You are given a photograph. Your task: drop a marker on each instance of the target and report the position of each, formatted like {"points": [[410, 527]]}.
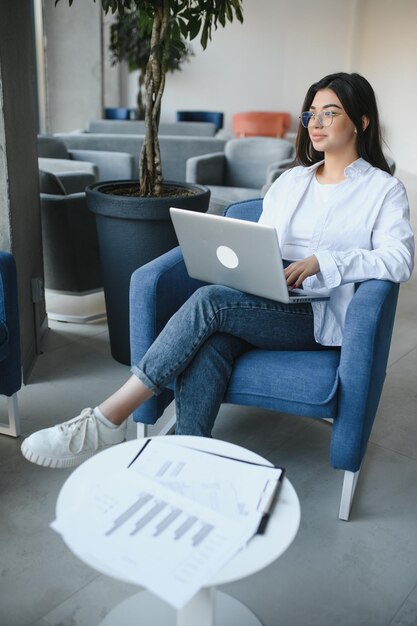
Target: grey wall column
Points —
{"points": [[20, 225]]}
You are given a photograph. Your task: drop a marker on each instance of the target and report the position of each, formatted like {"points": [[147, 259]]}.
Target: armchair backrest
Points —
{"points": [[215, 117], [261, 124], [247, 160]]}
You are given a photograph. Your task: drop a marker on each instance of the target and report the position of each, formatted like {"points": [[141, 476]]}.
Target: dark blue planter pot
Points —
{"points": [[131, 232]]}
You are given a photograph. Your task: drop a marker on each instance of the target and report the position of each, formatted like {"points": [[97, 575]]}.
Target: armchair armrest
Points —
{"points": [[157, 290], [275, 169], [60, 166], [76, 182], [110, 165], [206, 169], [362, 369]]}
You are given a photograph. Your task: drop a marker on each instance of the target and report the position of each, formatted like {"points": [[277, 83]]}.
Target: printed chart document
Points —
{"points": [[171, 519]]}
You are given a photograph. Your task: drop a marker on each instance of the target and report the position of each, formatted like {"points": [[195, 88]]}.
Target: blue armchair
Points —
{"points": [[10, 366], [346, 385]]}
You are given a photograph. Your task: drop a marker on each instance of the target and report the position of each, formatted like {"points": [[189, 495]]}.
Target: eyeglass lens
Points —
{"points": [[325, 118]]}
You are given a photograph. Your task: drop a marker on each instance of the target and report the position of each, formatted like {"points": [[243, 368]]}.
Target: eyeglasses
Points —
{"points": [[325, 118]]}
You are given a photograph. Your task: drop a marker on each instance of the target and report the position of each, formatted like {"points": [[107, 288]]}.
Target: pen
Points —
{"points": [[269, 504]]}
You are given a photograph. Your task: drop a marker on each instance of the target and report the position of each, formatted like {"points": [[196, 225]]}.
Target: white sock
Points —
{"points": [[99, 415]]}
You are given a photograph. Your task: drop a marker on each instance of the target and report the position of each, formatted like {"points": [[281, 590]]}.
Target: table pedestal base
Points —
{"points": [[145, 608]]}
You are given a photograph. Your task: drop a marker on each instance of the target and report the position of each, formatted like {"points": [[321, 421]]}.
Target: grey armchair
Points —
{"points": [[70, 247], [54, 157], [240, 172]]}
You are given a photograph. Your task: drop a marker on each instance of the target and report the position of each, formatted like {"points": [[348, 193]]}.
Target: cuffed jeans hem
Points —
{"points": [[136, 371]]}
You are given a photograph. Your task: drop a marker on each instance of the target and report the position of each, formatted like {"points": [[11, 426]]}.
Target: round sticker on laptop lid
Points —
{"points": [[227, 257]]}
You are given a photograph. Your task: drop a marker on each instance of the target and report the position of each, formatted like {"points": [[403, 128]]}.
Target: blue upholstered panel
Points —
{"points": [[215, 117], [10, 366], [4, 341], [304, 383]]}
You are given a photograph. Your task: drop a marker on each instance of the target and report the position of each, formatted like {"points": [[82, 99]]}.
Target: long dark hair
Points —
{"points": [[358, 99]]}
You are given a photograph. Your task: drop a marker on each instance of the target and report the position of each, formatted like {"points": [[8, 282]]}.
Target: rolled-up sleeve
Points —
{"points": [[391, 256]]}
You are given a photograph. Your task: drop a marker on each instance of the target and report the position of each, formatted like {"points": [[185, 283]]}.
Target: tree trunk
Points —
{"points": [[139, 99], [150, 172]]}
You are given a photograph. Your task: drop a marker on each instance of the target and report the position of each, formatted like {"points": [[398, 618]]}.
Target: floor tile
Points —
{"points": [[407, 615], [91, 604], [395, 425]]}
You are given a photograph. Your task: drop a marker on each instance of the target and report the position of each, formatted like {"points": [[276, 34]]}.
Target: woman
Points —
{"points": [[340, 217]]}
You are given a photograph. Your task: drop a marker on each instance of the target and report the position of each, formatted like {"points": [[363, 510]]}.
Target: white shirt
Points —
{"points": [[302, 223], [363, 232]]}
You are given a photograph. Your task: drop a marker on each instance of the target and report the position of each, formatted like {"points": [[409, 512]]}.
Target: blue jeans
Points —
{"points": [[200, 343]]}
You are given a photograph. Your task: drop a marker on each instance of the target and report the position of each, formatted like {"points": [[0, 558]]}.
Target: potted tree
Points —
{"points": [[128, 43], [132, 218]]}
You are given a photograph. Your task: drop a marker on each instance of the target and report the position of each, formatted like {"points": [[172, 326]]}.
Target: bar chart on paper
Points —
{"points": [[156, 536], [145, 513]]}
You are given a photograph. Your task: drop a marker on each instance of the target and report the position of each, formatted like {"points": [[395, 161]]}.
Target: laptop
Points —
{"points": [[235, 253]]}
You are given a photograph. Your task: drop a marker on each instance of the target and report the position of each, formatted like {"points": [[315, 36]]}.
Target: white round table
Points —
{"points": [[209, 607]]}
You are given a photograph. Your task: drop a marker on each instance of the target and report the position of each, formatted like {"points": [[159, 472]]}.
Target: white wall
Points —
{"points": [[269, 61], [386, 53], [266, 63]]}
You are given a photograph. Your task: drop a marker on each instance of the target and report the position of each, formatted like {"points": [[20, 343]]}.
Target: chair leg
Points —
{"points": [[13, 427], [142, 430], [348, 491]]}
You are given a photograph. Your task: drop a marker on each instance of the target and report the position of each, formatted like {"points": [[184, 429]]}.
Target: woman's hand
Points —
{"points": [[296, 272]]}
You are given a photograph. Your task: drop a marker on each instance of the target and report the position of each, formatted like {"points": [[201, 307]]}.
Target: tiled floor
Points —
{"points": [[360, 573]]}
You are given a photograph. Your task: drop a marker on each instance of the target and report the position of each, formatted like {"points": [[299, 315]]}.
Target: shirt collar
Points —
{"points": [[358, 167]]}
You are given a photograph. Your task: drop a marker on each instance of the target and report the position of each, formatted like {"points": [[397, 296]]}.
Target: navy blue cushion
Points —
{"points": [[4, 341]]}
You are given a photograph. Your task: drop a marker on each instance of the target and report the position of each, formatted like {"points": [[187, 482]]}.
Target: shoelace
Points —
{"points": [[81, 425]]}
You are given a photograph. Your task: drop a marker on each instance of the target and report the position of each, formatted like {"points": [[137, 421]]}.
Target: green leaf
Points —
{"points": [[183, 27], [194, 27], [205, 34]]}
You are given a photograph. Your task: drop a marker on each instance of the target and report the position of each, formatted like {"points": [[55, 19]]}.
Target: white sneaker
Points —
{"points": [[71, 443]]}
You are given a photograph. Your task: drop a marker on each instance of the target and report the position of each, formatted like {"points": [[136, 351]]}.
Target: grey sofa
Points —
{"points": [[241, 171], [137, 127], [175, 150]]}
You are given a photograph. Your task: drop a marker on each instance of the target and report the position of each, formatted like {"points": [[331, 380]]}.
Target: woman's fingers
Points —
{"points": [[298, 271]]}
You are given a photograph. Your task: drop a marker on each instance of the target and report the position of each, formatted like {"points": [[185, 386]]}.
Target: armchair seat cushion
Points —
{"points": [[4, 341], [302, 383]]}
